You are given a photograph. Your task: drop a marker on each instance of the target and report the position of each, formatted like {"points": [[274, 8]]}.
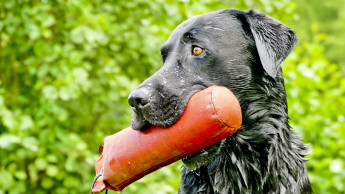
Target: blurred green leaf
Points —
{"points": [[47, 183], [6, 180], [52, 170], [21, 175], [71, 182], [30, 143], [6, 140], [41, 163]]}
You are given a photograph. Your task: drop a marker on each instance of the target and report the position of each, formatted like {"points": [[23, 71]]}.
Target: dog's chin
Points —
{"points": [[139, 123], [202, 157], [142, 123]]}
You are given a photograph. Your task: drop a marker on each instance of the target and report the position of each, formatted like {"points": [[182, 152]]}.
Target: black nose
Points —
{"points": [[139, 98]]}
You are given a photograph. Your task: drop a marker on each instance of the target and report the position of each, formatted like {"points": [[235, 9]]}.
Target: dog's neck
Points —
{"points": [[264, 154]]}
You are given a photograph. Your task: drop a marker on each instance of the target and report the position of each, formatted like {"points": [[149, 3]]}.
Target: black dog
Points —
{"points": [[242, 51]]}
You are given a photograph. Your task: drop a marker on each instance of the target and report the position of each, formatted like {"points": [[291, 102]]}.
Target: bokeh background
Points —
{"points": [[67, 67]]}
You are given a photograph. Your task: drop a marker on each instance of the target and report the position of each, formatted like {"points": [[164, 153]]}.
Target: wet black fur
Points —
{"points": [[264, 155]]}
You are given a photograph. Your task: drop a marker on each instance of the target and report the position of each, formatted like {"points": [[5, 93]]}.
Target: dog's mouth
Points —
{"points": [[164, 109], [165, 112], [163, 115]]}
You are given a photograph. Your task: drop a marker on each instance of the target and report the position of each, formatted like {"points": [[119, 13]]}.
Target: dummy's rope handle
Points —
{"points": [[94, 181]]}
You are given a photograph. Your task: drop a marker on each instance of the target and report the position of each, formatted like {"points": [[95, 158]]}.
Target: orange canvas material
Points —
{"points": [[210, 116]]}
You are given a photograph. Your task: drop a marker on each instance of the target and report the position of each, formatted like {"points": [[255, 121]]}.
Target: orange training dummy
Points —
{"points": [[210, 116]]}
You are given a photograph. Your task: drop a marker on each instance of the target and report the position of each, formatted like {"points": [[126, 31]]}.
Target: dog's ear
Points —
{"points": [[274, 41]]}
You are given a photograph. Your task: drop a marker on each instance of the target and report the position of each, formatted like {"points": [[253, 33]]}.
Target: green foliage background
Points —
{"points": [[67, 67]]}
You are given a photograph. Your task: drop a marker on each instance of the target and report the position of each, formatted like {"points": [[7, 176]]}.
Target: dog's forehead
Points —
{"points": [[211, 23]]}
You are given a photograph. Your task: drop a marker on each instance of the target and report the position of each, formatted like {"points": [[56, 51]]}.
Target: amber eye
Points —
{"points": [[197, 50]]}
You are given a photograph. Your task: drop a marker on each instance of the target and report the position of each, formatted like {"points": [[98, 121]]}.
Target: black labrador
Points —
{"points": [[241, 50]]}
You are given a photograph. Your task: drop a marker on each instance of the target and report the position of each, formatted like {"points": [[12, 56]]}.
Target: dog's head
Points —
{"points": [[228, 48]]}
